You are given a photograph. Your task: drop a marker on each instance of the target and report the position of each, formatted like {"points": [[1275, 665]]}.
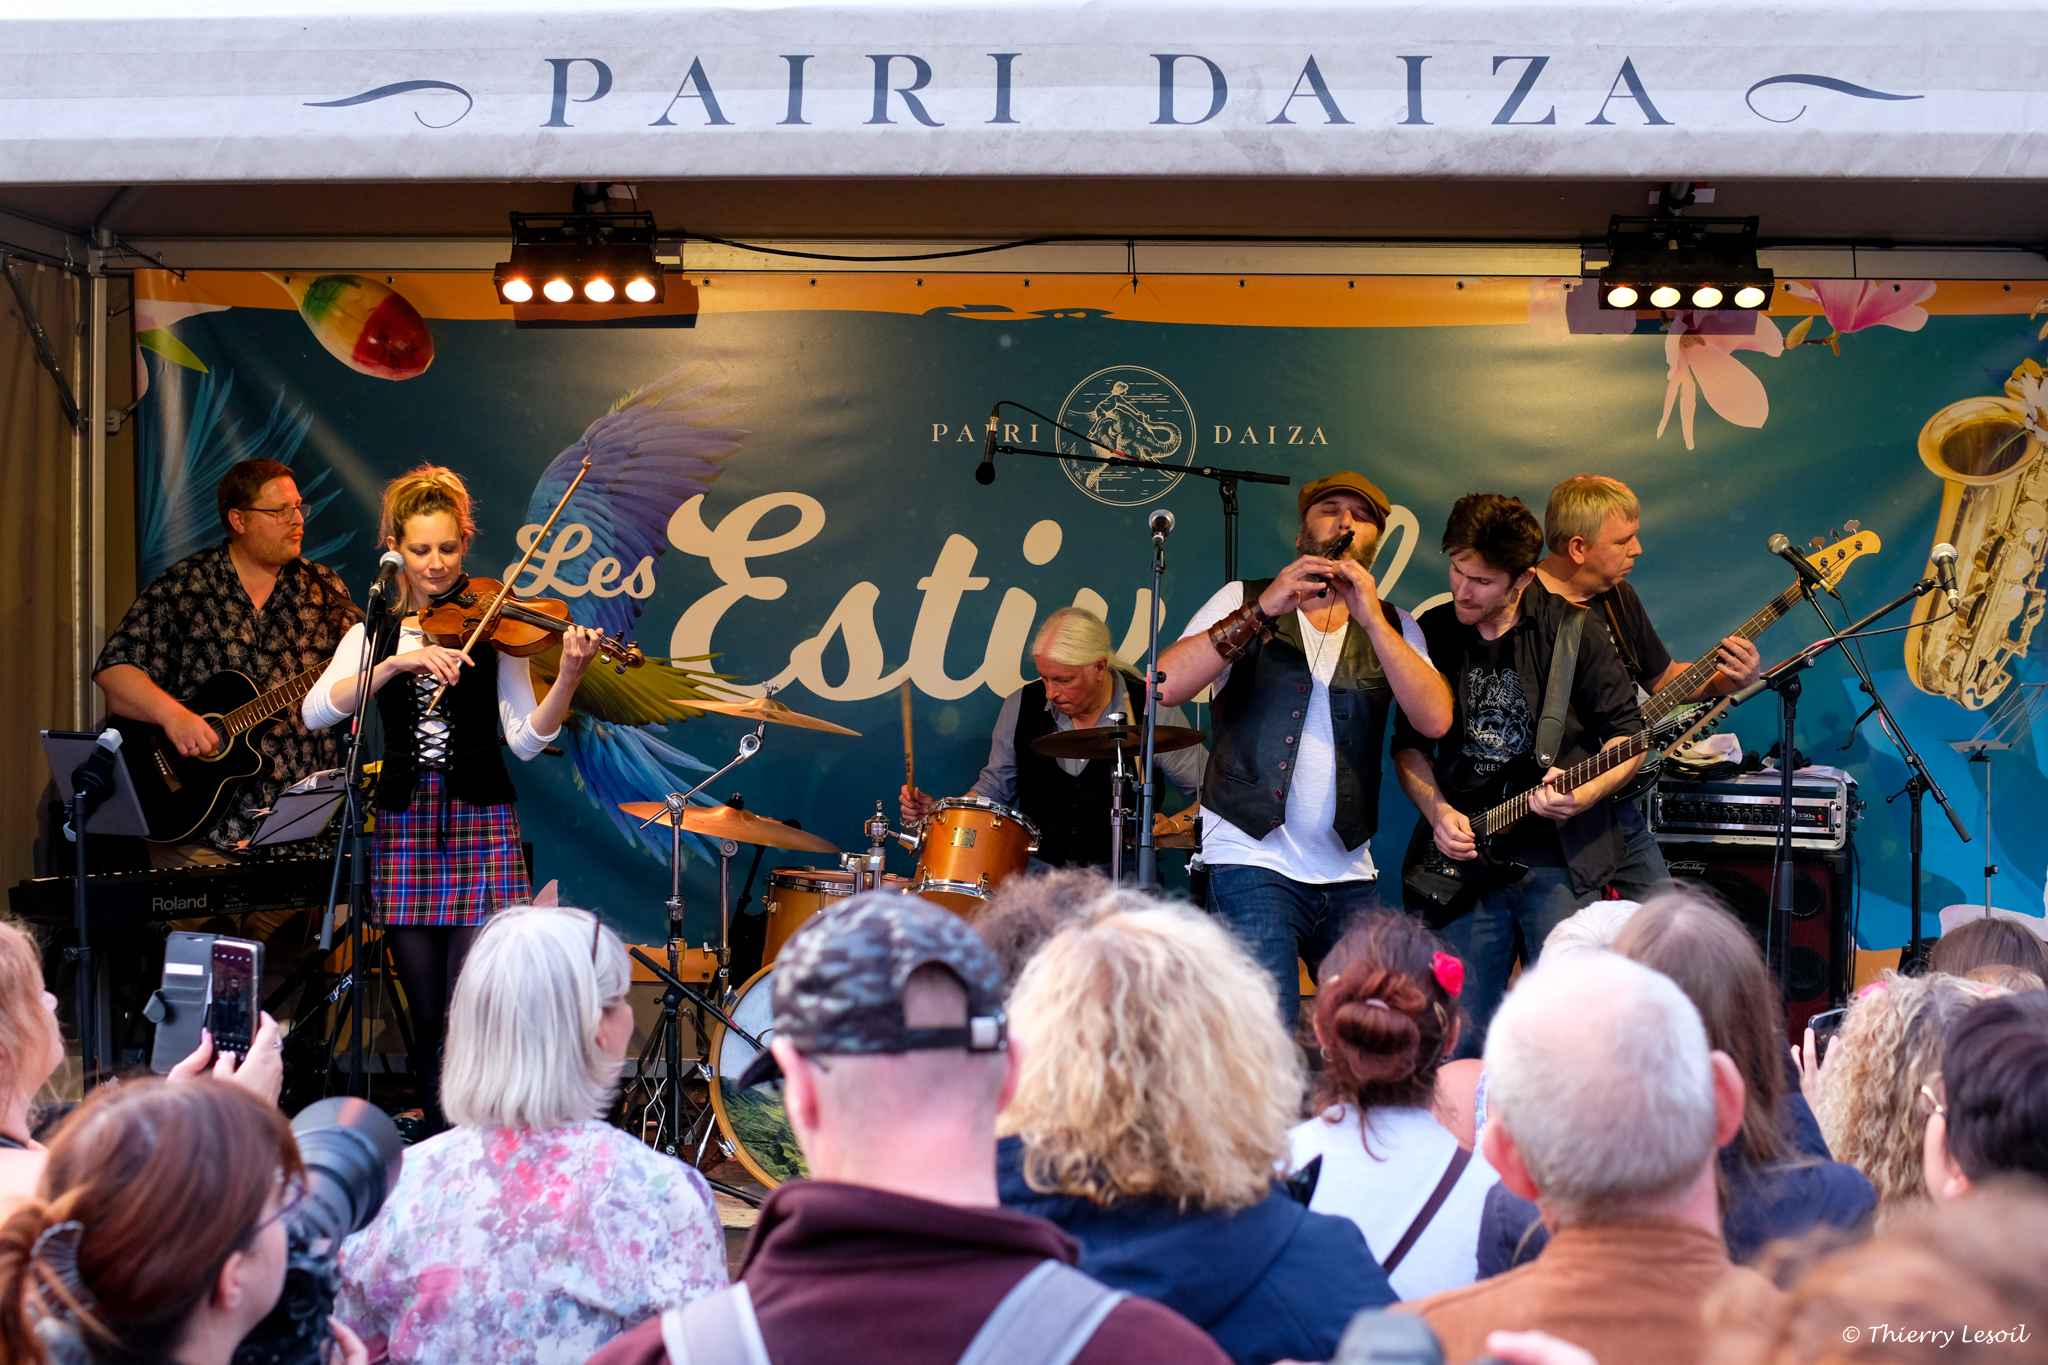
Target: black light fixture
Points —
{"points": [[1708, 264], [581, 258]]}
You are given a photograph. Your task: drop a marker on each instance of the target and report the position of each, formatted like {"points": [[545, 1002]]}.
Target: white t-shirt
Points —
{"points": [[1304, 846], [1382, 1192]]}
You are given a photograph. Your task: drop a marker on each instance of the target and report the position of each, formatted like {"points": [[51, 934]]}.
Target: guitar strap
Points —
{"points": [[1557, 687]]}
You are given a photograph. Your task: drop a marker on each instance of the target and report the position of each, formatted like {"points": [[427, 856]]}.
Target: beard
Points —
{"points": [[1363, 541]]}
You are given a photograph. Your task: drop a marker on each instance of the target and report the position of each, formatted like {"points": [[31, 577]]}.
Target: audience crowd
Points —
{"points": [[1077, 1128]]}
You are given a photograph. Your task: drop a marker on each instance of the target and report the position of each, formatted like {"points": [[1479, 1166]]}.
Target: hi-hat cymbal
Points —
{"points": [[1102, 741], [772, 711], [743, 826]]}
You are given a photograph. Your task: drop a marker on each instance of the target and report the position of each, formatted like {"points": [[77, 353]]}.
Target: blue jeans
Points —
{"points": [[1508, 925], [1279, 919], [1642, 869]]}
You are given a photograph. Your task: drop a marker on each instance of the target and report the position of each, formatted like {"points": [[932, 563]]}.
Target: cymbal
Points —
{"points": [[743, 826], [772, 711], [1102, 741]]}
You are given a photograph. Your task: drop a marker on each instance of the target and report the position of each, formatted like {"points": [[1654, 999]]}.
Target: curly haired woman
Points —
{"points": [[1155, 1090]]}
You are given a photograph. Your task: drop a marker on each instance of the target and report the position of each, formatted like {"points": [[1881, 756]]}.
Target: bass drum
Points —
{"points": [[752, 1121]]}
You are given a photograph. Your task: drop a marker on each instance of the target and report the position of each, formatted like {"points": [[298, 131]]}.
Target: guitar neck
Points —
{"points": [[1686, 685], [1499, 817], [259, 709]]}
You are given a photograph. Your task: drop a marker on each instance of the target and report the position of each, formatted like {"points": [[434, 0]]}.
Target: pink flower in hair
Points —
{"points": [[1449, 973]]}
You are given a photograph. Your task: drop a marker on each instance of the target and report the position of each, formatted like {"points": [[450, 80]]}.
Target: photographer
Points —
{"points": [[87, 1274]]}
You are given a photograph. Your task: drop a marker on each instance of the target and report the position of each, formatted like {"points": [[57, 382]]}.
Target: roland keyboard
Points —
{"points": [[157, 895]]}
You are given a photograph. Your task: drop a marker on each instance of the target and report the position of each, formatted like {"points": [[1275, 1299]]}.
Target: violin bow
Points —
{"points": [[489, 620]]}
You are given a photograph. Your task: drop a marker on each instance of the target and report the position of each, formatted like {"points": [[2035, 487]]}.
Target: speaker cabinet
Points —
{"points": [[1817, 949]]}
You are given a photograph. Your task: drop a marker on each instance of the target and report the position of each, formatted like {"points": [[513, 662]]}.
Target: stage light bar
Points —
{"points": [[1705, 264], [578, 258]]}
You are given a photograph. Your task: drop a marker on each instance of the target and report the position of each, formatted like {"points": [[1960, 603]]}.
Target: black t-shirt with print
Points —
{"points": [[1497, 691]]}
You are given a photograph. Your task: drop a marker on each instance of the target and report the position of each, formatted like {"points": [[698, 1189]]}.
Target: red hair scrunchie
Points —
{"points": [[1449, 973]]}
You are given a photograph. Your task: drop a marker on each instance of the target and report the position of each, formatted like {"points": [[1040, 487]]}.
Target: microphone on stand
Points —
{"points": [[1944, 558], [382, 591], [92, 781], [985, 472], [1784, 549], [1161, 522]]}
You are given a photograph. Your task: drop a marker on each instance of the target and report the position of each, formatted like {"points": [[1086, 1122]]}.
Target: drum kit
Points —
{"points": [[964, 848]]}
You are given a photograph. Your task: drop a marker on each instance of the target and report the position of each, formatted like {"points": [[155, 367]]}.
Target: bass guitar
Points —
{"points": [[1850, 545], [182, 796], [1441, 888]]}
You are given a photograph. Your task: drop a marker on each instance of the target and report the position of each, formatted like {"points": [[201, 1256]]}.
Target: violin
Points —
{"points": [[523, 626]]}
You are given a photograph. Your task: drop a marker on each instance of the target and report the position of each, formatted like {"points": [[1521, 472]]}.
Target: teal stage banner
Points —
{"points": [[783, 489]]}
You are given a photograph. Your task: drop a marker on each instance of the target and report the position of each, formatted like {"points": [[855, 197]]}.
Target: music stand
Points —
{"points": [[119, 813], [303, 810], [2010, 724]]}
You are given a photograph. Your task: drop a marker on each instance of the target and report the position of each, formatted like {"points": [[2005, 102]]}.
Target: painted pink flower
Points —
{"points": [[1704, 365], [1854, 305]]}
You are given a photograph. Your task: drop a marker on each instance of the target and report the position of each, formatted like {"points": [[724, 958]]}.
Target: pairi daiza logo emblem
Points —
{"points": [[1135, 412]]}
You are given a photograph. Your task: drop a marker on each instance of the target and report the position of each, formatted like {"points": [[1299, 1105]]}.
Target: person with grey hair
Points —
{"points": [[532, 1230], [1607, 1109], [1081, 683]]}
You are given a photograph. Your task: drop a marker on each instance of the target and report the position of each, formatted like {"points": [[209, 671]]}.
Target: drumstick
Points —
{"points": [[909, 743]]}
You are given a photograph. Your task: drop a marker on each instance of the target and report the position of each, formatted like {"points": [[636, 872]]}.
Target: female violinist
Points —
{"points": [[447, 835]]}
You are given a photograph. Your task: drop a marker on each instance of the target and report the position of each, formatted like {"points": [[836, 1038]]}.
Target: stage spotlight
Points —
{"points": [[582, 257], [1702, 263]]}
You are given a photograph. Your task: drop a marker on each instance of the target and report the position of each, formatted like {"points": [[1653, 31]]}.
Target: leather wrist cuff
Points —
{"points": [[1233, 635]]}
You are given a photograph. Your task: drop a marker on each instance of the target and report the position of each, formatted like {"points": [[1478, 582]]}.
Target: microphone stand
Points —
{"points": [[1148, 855], [1918, 784], [353, 846], [1226, 480], [1919, 781]]}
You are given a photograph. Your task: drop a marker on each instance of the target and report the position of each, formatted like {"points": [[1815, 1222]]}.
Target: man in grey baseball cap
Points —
{"points": [[890, 1041], [845, 991]]}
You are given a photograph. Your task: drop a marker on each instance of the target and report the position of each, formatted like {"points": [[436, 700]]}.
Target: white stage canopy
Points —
{"points": [[221, 91]]}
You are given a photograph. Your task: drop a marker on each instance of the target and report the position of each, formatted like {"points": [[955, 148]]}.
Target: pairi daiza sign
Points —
{"points": [[1029, 89]]}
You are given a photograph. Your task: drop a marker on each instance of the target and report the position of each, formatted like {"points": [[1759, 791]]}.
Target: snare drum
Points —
{"points": [[967, 846], [797, 893]]}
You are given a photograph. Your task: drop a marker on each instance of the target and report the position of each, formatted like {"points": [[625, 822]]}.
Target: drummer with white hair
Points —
{"points": [[1081, 684]]}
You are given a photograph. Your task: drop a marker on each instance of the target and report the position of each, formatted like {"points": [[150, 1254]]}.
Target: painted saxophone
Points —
{"points": [[1994, 510]]}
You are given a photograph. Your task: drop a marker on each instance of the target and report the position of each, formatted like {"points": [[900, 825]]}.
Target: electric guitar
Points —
{"points": [[181, 796], [1441, 888], [1851, 544]]}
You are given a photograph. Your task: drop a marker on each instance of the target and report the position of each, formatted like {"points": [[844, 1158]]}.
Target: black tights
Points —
{"points": [[429, 959]]}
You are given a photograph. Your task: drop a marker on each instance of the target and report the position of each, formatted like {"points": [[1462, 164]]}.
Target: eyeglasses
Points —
{"points": [[292, 1193], [291, 511]]}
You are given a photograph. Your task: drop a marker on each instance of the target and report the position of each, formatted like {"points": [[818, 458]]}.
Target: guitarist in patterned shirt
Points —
{"points": [[251, 604], [1590, 528]]}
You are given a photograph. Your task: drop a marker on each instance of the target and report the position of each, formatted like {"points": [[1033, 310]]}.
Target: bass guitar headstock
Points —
{"points": [[1850, 542]]}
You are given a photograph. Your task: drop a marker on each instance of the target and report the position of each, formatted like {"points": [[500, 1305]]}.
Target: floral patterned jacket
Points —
{"points": [[528, 1245]]}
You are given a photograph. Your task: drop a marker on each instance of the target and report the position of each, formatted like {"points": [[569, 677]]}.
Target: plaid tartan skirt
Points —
{"points": [[446, 863]]}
